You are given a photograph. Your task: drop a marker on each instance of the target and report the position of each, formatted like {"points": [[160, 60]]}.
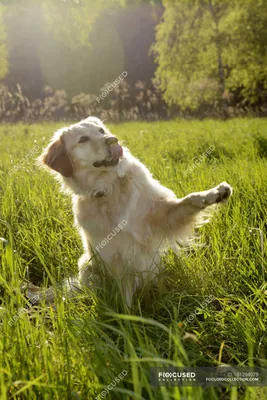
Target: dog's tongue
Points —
{"points": [[116, 151]]}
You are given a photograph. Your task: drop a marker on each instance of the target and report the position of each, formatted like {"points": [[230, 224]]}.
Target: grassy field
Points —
{"points": [[76, 349]]}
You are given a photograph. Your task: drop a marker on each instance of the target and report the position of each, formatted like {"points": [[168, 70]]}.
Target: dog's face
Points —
{"points": [[88, 144]]}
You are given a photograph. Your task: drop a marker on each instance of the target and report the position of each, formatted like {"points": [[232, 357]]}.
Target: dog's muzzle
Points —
{"points": [[116, 152]]}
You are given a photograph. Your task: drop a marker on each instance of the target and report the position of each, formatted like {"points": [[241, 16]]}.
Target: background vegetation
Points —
{"points": [[204, 57]]}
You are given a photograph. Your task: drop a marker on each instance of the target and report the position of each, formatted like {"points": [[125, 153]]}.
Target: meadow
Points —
{"points": [[75, 348]]}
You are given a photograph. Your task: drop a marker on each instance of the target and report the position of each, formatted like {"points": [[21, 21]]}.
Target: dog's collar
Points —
{"points": [[106, 163], [95, 194]]}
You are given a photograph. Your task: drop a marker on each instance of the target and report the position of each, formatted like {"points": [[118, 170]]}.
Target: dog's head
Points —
{"points": [[88, 144]]}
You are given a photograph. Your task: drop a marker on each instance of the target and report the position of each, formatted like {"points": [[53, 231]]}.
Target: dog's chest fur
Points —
{"points": [[104, 208]]}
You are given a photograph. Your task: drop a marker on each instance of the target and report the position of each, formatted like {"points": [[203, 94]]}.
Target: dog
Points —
{"points": [[124, 216]]}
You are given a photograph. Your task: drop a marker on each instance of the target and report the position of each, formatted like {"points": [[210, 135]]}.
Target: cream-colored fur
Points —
{"points": [[123, 214]]}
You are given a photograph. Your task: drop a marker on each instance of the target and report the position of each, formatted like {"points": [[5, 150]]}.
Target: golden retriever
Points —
{"points": [[124, 216]]}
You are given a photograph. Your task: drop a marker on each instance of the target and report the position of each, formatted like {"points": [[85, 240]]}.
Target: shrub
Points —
{"points": [[124, 102]]}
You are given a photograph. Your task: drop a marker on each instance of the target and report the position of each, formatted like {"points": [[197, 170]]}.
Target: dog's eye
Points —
{"points": [[83, 139], [101, 130]]}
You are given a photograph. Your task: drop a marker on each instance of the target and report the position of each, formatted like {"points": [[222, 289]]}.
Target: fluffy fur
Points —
{"points": [[123, 214]]}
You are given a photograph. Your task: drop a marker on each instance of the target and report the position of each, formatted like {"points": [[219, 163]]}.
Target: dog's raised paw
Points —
{"points": [[224, 191]]}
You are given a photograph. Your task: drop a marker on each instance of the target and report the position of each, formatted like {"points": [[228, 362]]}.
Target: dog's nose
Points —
{"points": [[111, 140]]}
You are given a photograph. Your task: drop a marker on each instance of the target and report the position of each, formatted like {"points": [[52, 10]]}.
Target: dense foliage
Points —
{"points": [[211, 50]]}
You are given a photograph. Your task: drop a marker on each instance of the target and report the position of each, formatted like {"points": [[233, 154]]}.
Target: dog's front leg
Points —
{"points": [[85, 269], [88, 276], [200, 200], [186, 209]]}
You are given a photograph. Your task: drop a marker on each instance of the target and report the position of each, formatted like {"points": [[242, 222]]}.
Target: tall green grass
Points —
{"points": [[74, 349]]}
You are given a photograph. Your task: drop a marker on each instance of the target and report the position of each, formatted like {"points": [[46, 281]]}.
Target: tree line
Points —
{"points": [[201, 55]]}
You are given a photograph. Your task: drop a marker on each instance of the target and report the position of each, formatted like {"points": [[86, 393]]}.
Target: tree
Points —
{"points": [[245, 53], [205, 47], [3, 47]]}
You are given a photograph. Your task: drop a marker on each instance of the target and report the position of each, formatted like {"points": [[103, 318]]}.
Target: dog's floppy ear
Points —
{"points": [[56, 157]]}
